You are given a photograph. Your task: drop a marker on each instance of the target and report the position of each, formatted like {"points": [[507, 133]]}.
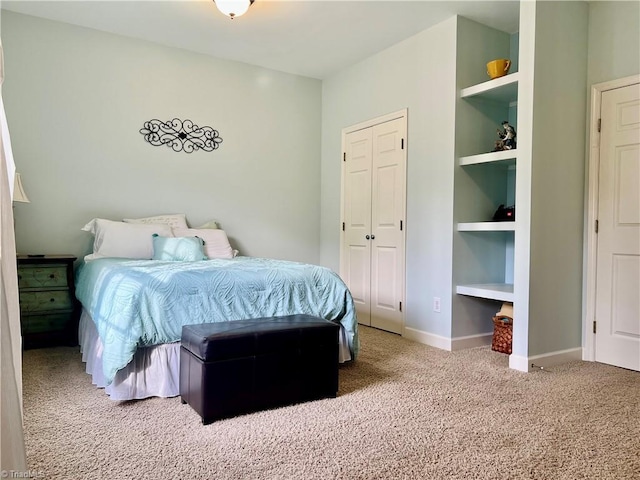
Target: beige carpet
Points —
{"points": [[404, 411]]}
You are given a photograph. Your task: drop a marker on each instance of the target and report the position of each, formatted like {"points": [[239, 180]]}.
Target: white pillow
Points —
{"points": [[209, 224], [123, 240], [216, 243], [177, 220]]}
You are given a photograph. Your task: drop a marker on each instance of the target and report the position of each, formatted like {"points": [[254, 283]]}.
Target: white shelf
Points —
{"points": [[491, 291], [507, 156], [487, 226], [502, 89]]}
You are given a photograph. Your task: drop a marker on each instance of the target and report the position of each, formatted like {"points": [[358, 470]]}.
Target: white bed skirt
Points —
{"points": [[153, 372]]}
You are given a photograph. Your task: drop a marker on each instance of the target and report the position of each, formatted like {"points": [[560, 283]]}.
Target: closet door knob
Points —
{"points": [[367, 237], [373, 237]]}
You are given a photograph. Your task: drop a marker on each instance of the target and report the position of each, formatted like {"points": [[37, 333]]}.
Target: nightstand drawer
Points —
{"points": [[44, 323], [49, 311], [32, 302], [42, 276]]}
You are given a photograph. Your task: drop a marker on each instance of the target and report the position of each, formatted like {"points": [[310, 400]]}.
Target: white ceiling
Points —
{"points": [[314, 38]]}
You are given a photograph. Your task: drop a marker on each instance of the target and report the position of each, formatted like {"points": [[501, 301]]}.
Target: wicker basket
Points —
{"points": [[502, 334]]}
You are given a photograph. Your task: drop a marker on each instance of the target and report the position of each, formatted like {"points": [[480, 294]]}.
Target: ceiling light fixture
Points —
{"points": [[233, 8]]}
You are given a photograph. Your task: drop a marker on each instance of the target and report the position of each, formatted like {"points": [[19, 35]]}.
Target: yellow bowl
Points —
{"points": [[498, 68]]}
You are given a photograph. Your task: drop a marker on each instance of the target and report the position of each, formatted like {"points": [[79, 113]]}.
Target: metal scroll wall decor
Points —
{"points": [[181, 135]]}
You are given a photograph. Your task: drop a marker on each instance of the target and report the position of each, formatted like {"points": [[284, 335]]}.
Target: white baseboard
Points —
{"points": [[519, 363], [471, 341], [556, 358], [545, 360], [449, 344], [516, 362], [425, 338]]}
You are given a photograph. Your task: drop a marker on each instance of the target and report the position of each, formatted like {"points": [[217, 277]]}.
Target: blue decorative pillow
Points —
{"points": [[184, 249]]}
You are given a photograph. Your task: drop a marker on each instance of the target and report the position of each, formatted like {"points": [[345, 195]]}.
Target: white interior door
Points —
{"points": [[617, 310], [387, 216], [356, 249]]}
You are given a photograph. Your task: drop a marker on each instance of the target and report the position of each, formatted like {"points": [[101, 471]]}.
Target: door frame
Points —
{"points": [[354, 128], [590, 236]]}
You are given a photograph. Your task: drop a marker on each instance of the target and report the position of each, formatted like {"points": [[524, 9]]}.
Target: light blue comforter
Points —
{"points": [[146, 302]]}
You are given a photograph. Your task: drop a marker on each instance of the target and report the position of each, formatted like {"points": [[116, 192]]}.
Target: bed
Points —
{"points": [[134, 308]]}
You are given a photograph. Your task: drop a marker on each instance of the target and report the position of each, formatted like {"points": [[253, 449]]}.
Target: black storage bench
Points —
{"points": [[241, 366]]}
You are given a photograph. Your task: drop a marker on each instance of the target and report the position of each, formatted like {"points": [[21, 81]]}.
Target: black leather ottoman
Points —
{"points": [[231, 368]]}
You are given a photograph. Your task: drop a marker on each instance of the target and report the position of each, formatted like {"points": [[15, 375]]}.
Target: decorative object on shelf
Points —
{"points": [[181, 135], [503, 329], [505, 214], [233, 8], [498, 68], [506, 138], [19, 195]]}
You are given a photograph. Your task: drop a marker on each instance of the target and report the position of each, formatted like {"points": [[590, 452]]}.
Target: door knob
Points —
{"points": [[367, 237], [373, 237]]}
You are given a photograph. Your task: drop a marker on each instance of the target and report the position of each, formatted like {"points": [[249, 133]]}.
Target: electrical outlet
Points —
{"points": [[436, 304]]}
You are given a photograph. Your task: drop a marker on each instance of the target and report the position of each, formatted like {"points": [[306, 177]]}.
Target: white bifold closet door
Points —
{"points": [[374, 203]]}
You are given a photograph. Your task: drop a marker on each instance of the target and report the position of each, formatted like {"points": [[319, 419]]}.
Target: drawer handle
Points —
{"points": [[19, 277], [52, 276], [52, 300]]}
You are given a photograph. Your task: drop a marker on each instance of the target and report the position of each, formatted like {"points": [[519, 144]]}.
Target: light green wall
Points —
{"points": [[417, 74], [557, 178], [614, 40], [75, 100]]}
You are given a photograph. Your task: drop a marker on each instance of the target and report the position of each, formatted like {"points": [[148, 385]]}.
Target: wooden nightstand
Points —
{"points": [[49, 311]]}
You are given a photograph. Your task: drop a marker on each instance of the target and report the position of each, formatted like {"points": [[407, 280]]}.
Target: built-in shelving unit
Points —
{"points": [[513, 261], [506, 156], [486, 269], [487, 227], [502, 89], [491, 291]]}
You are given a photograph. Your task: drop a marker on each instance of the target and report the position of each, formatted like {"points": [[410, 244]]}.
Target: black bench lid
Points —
{"points": [[241, 338]]}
